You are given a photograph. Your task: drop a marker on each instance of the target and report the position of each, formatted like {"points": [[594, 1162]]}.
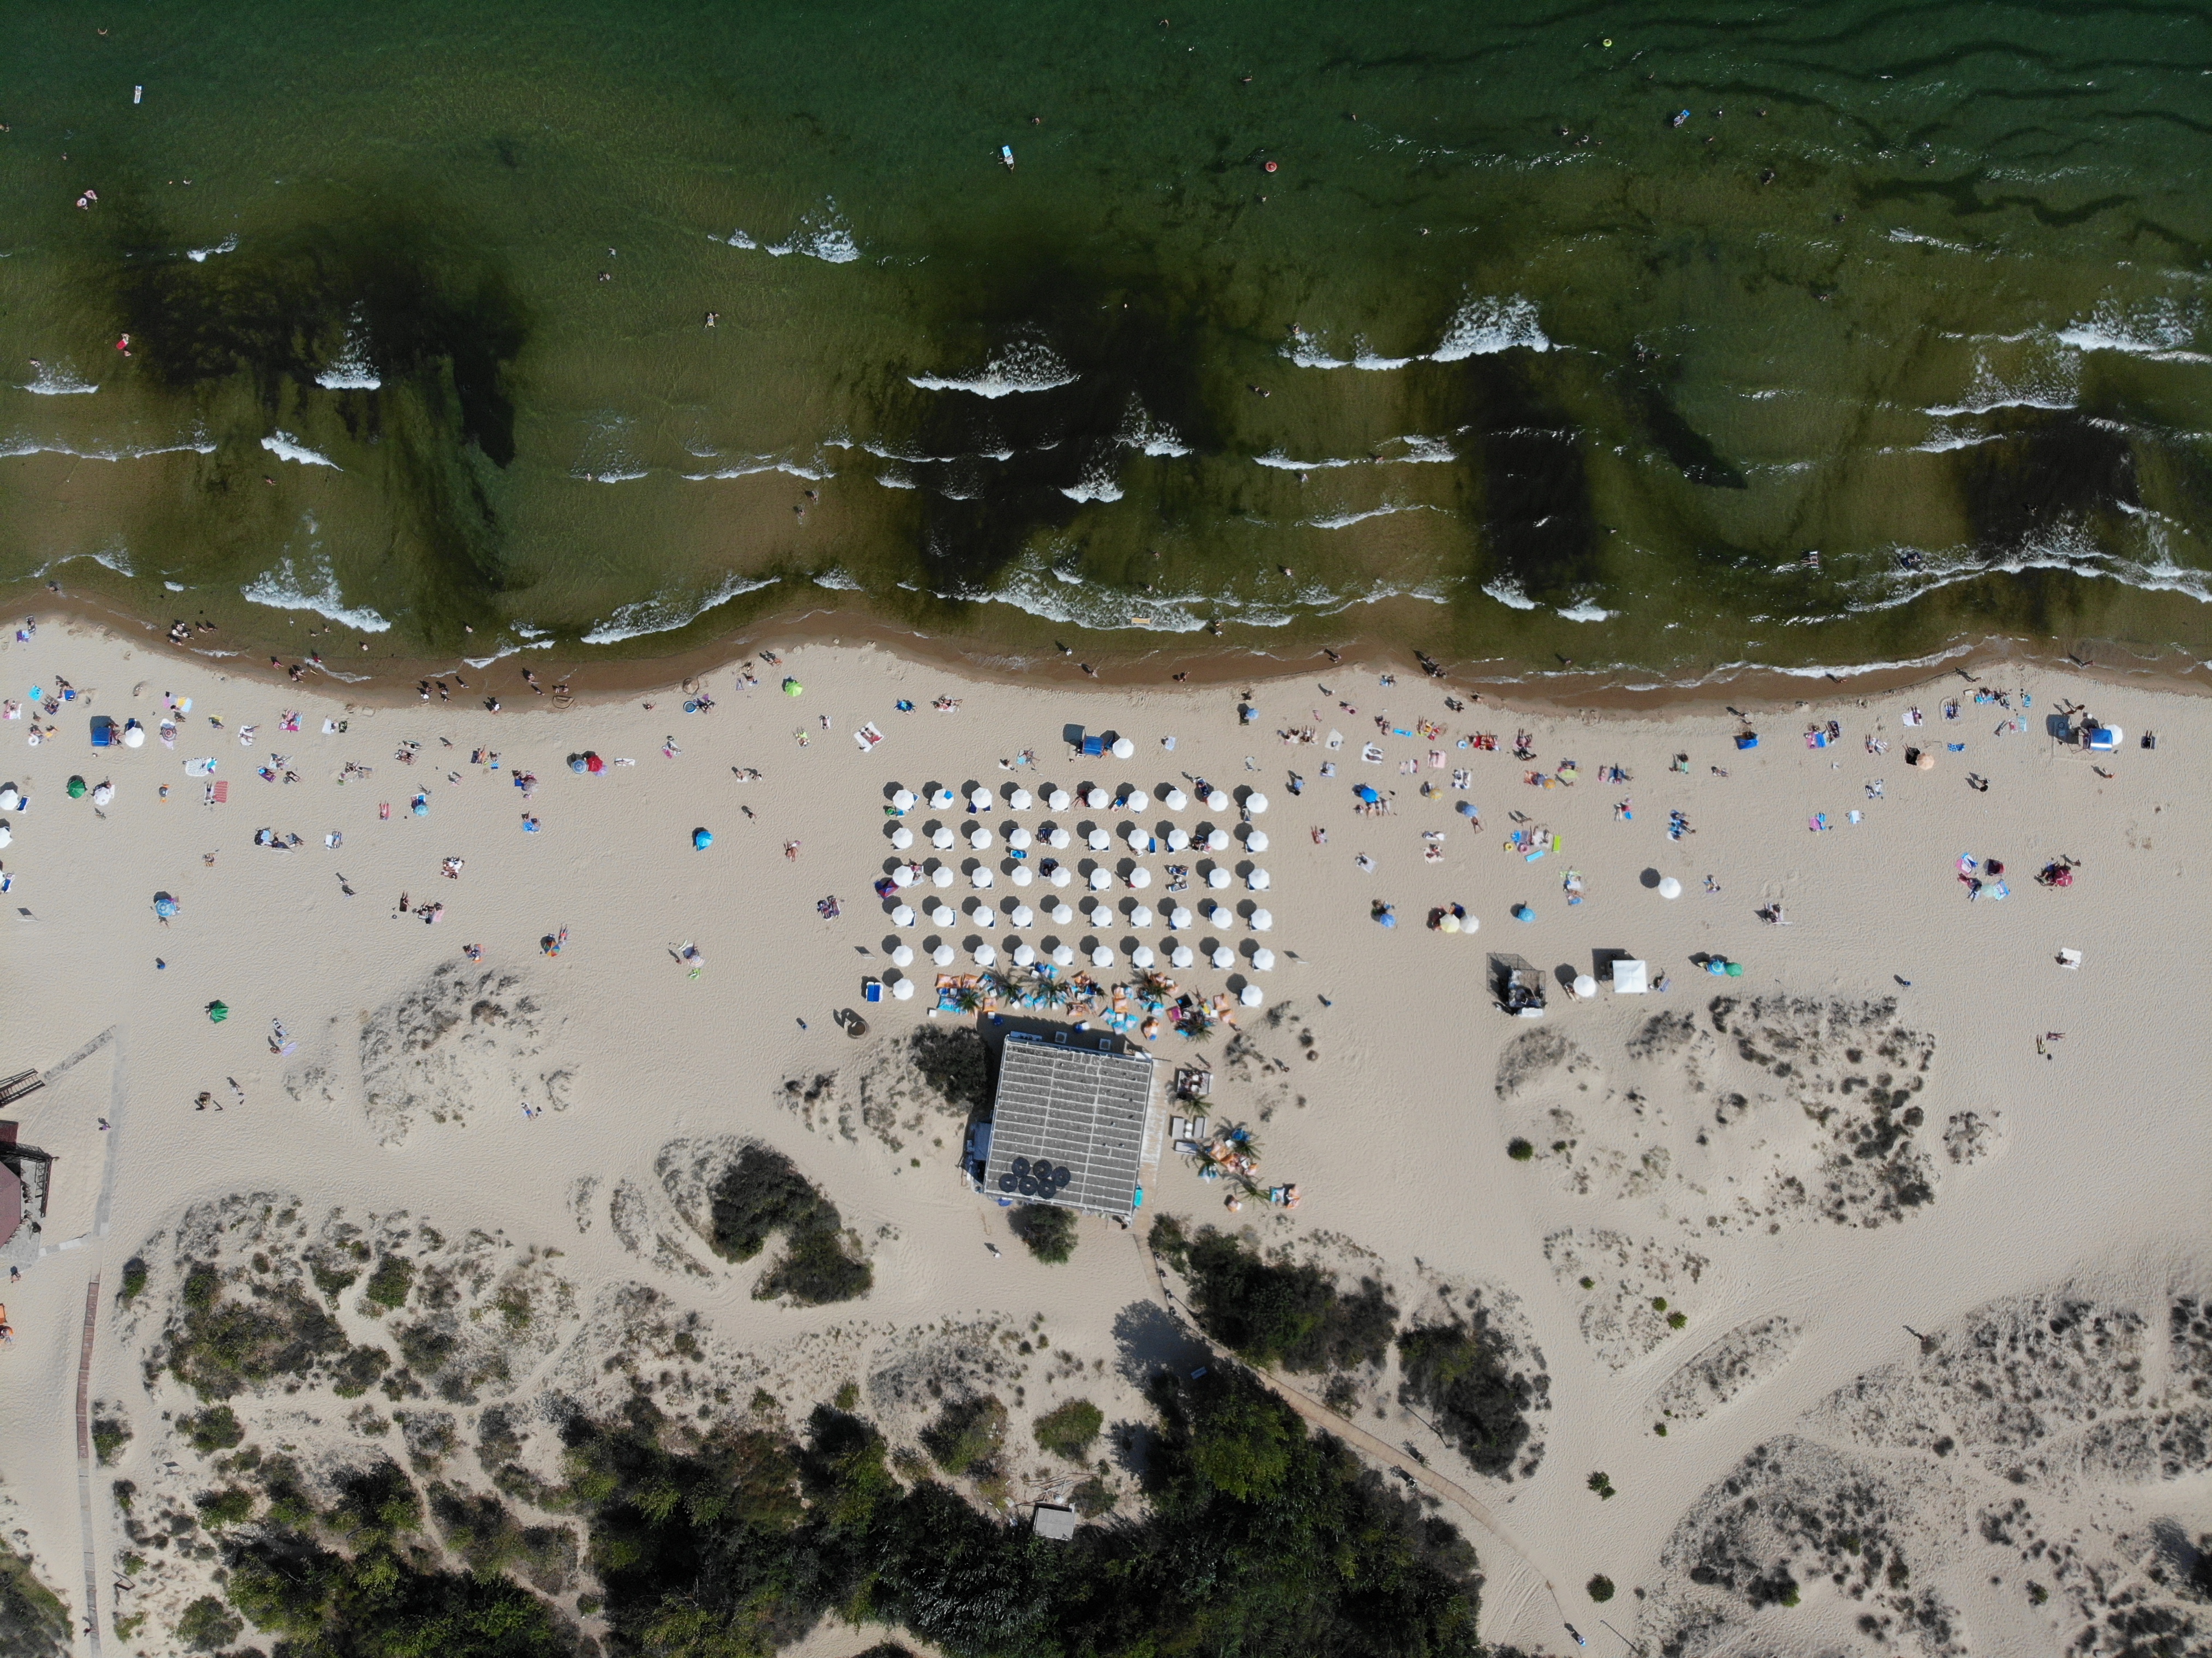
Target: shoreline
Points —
{"points": [[1630, 691]]}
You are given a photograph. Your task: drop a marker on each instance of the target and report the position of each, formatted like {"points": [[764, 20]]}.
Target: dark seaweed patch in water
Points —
{"points": [[1127, 349], [1536, 517], [2050, 468], [1690, 449]]}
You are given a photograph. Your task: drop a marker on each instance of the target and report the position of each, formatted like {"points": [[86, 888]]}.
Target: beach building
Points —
{"points": [[1070, 1122], [1053, 1521]]}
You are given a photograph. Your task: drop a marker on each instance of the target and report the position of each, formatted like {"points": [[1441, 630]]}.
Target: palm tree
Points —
{"points": [[998, 986], [1053, 993], [1198, 1021], [967, 999], [1153, 986]]}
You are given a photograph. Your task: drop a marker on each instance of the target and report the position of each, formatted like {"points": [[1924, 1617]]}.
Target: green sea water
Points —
{"points": [[1654, 339]]}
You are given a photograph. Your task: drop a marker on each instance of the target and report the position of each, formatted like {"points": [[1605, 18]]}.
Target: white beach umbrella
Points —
{"points": [[1059, 800], [986, 956], [901, 954], [942, 956], [1101, 878], [1061, 876], [1256, 840], [943, 799], [1024, 955], [981, 838], [1140, 877], [1175, 799], [1177, 840], [903, 800], [1135, 800], [903, 990], [1252, 996], [1020, 916], [1216, 840], [941, 837], [1098, 840], [985, 920], [1181, 956], [941, 876], [1216, 800], [903, 876], [903, 916], [1256, 803], [1264, 959], [1142, 956], [1224, 957], [1217, 876], [1019, 800], [1123, 748], [1180, 918], [1061, 914], [982, 878], [942, 914], [1140, 916], [1018, 839], [1259, 880], [980, 798], [1059, 839], [1219, 915], [1261, 920], [901, 838], [1096, 799], [1585, 987], [1669, 887], [1063, 956], [1023, 874], [134, 736]]}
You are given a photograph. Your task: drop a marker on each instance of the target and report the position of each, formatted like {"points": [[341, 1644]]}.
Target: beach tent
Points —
{"points": [[1629, 977], [2103, 739]]}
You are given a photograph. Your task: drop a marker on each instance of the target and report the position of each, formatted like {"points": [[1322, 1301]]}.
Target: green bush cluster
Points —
{"points": [[1048, 1229], [1278, 1311], [388, 1286], [1600, 1589], [1461, 1380], [110, 1433], [968, 1434], [1069, 1431], [761, 1193], [32, 1620], [216, 1429], [222, 1342]]}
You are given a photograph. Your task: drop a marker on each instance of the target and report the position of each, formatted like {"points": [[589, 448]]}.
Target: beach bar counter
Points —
{"points": [[1069, 1123]]}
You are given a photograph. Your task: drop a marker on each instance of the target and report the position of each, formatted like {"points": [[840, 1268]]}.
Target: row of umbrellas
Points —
{"points": [[1178, 919], [1022, 954], [944, 837], [1126, 799], [982, 878]]}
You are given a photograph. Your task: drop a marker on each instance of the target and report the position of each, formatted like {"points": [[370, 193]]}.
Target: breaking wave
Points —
{"points": [[1029, 366], [285, 447], [823, 235], [665, 613], [1479, 328], [284, 589]]}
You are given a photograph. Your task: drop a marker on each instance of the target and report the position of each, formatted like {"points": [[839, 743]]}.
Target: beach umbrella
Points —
{"points": [[1181, 956], [1177, 840], [1448, 922], [942, 956], [7, 834], [941, 876], [1142, 956], [1252, 996], [76, 788], [164, 905], [1059, 800], [1219, 914], [1217, 876], [1018, 839], [1264, 959], [1098, 840], [986, 957], [1734, 969], [1019, 800], [1059, 839], [1123, 748], [217, 1012], [903, 916], [1180, 919], [901, 838], [1021, 915], [1101, 878], [1522, 912], [901, 954], [1669, 887], [1365, 796], [134, 735], [1063, 956], [1259, 880], [1216, 800], [942, 799], [10, 798], [985, 919], [1140, 879], [1023, 874], [903, 799], [1585, 987], [1256, 803], [1466, 809], [903, 990], [981, 839], [1224, 957], [1101, 957], [1256, 840], [1061, 876], [941, 838], [1175, 799], [1135, 800], [1216, 840], [701, 838], [103, 792], [1061, 914], [982, 878], [792, 687], [1096, 799], [1140, 916], [1024, 955], [979, 798], [1261, 920], [902, 877], [942, 914]]}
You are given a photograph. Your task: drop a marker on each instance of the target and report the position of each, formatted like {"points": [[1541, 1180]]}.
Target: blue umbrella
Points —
{"points": [[1367, 796], [701, 838], [164, 905]]}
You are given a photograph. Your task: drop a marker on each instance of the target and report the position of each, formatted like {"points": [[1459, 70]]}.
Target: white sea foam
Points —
{"points": [[285, 588], [822, 235], [758, 464], [665, 613], [1585, 610], [351, 371], [174, 586], [201, 255], [1507, 592], [895, 480], [1480, 327], [11, 450], [52, 381], [1897, 234], [2164, 332], [1096, 481], [838, 582], [2046, 379], [1345, 520], [285, 447], [1140, 432], [1026, 366]]}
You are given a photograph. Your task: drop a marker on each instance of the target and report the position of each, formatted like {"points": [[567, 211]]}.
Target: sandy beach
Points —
{"points": [[1908, 1216]]}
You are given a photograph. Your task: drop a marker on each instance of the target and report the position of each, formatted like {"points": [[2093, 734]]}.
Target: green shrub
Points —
{"points": [[1599, 1483], [31, 1616], [219, 1347], [1046, 1228], [1278, 1311], [956, 1063], [134, 1280], [1677, 1320], [1170, 1242], [110, 1433], [1600, 1589], [216, 1429], [208, 1626], [966, 1434], [1460, 1378], [1094, 1497], [848, 1396], [1519, 1150], [332, 1281], [1068, 1431], [228, 1507], [388, 1286], [761, 1193]]}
